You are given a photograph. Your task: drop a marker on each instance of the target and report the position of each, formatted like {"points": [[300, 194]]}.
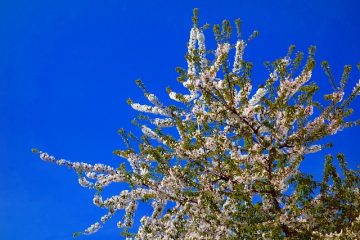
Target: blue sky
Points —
{"points": [[67, 67]]}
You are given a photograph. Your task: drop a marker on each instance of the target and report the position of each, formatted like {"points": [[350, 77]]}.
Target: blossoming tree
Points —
{"points": [[222, 163]]}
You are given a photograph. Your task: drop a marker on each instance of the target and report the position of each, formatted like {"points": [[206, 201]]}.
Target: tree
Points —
{"points": [[229, 160]]}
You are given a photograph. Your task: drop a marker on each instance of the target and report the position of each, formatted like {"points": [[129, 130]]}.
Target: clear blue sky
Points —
{"points": [[67, 67]]}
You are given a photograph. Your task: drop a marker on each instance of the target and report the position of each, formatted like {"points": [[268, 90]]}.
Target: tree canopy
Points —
{"points": [[222, 161]]}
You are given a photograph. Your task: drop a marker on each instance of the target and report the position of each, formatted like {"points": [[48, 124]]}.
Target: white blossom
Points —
{"points": [[191, 48], [260, 93], [356, 89], [93, 228], [240, 46]]}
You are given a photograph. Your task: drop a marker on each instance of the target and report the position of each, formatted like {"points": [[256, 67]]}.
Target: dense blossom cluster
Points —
{"points": [[233, 172]]}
